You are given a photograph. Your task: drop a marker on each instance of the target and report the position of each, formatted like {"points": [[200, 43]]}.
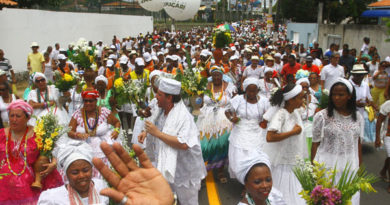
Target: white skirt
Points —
{"points": [[286, 182], [386, 142], [138, 127]]}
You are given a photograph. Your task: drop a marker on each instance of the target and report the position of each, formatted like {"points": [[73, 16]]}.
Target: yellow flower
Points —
{"points": [[47, 148], [200, 92], [48, 142], [40, 146], [54, 134], [68, 77], [118, 83]]}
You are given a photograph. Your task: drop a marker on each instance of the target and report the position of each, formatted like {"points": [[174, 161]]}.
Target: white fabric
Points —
{"points": [[140, 61], [268, 69], [154, 73], [258, 72], [386, 141], [175, 164], [385, 110], [37, 75], [292, 93], [346, 83], [76, 102], [60, 195], [139, 126], [363, 93], [245, 164], [275, 197], [101, 78], [284, 179], [169, 86], [250, 81], [73, 150], [186, 195], [266, 88], [293, 146], [338, 137], [309, 110], [330, 74], [3, 109], [303, 80]]}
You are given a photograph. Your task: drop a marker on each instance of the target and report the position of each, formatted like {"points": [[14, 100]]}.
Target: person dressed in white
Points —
{"points": [[383, 120], [338, 131], [331, 72], [5, 99], [178, 153], [248, 133], [255, 174], [286, 141], [268, 83], [75, 158], [44, 99], [254, 70]]}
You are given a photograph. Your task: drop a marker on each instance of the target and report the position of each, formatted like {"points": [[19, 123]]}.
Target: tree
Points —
{"points": [[41, 3]]}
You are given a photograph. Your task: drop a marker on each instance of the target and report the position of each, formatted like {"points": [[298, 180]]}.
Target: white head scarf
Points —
{"points": [[292, 93], [101, 78], [37, 75], [346, 83], [245, 164], [303, 80], [73, 150], [250, 81], [170, 86], [268, 69], [154, 73]]}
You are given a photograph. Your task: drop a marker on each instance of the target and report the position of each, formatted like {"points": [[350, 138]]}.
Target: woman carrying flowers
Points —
{"points": [[92, 124], [18, 153], [214, 126], [338, 131]]}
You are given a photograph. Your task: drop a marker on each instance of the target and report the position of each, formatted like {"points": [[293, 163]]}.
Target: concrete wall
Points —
{"points": [[353, 35], [305, 32], [20, 27]]}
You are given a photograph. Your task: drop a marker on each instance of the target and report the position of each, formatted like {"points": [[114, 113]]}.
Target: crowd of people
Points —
{"points": [[270, 101]]}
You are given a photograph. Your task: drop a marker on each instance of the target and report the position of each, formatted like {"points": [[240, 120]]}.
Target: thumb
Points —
{"points": [[113, 194]]}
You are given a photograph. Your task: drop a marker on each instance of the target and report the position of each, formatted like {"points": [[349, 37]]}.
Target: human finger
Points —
{"points": [[116, 162], [125, 156], [107, 173], [113, 194], [143, 158]]}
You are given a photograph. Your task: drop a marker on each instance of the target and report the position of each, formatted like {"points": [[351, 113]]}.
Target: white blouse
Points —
{"points": [[3, 109]]}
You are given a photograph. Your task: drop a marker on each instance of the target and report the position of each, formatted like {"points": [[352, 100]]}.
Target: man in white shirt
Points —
{"points": [[365, 47], [331, 72], [254, 70]]}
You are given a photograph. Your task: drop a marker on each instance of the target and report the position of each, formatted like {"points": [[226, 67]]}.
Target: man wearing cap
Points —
{"points": [[149, 65], [225, 61], [123, 61], [173, 65], [278, 63], [254, 70], [204, 63], [291, 68], [35, 59], [63, 66], [331, 72], [139, 73], [112, 73], [309, 66], [173, 143]]}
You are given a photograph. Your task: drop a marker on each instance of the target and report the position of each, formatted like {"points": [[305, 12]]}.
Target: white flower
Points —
{"points": [[96, 52], [93, 66], [325, 91]]}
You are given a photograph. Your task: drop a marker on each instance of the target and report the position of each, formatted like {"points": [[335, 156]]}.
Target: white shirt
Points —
{"points": [[330, 74], [317, 62], [255, 73], [362, 93], [364, 49], [372, 68]]}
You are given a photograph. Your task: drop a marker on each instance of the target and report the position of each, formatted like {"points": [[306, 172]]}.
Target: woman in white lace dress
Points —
{"points": [[338, 131], [5, 99], [286, 141], [248, 133]]}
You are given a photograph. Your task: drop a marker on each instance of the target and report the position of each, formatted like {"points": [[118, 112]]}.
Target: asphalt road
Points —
{"points": [[229, 193]]}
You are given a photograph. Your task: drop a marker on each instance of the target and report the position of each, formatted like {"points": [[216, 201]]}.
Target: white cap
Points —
{"points": [[168, 45], [160, 53], [34, 44], [61, 57], [234, 57], [236, 44], [109, 63], [277, 55], [387, 59], [204, 53], [233, 48], [248, 50], [112, 56], [112, 46], [133, 52], [175, 58], [140, 61], [170, 86], [224, 53], [254, 57], [147, 57], [178, 47], [123, 60]]}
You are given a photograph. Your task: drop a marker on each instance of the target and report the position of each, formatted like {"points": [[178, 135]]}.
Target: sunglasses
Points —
{"points": [[41, 80], [89, 100]]}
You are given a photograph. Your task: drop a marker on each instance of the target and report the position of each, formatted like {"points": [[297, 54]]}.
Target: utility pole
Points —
{"points": [[320, 12]]}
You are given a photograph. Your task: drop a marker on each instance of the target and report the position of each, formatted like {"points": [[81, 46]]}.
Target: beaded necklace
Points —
{"points": [[220, 96], [252, 202], [87, 127], [24, 155], [39, 95]]}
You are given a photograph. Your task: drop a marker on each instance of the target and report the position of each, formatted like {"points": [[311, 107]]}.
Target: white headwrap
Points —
{"points": [[268, 69], [346, 83], [245, 164], [250, 81], [292, 93], [37, 75], [74, 150], [101, 78], [303, 80], [154, 73], [170, 86]]}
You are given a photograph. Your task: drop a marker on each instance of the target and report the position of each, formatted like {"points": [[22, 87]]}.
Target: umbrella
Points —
{"points": [[227, 27]]}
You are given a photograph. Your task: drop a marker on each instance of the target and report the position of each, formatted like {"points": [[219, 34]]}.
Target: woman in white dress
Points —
{"points": [[248, 133], [75, 158], [44, 99], [255, 174], [92, 123], [268, 83], [286, 141], [338, 131], [5, 99]]}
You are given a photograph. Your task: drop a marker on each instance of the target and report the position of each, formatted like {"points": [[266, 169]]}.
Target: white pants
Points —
{"points": [[186, 196], [386, 142]]}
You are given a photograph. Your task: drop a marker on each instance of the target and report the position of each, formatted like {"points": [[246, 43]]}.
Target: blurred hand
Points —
{"points": [[142, 186], [297, 129]]}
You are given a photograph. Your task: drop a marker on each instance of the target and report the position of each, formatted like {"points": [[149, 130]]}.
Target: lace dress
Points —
{"points": [[283, 154], [14, 189], [247, 134], [215, 128], [338, 137]]}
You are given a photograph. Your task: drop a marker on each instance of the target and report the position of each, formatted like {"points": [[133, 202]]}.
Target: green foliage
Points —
{"points": [[42, 3], [299, 11], [387, 20]]}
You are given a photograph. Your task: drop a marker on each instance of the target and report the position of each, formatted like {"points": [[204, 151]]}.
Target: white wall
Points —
{"points": [[306, 33], [20, 27]]}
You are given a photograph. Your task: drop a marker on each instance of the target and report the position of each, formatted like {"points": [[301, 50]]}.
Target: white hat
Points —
{"points": [[168, 45], [178, 47], [234, 57], [170, 86], [140, 61], [358, 69], [277, 55], [101, 78], [34, 44], [113, 56], [39, 75], [133, 52], [236, 44], [154, 73], [147, 57], [160, 53], [248, 50], [204, 53], [2, 72], [61, 57], [387, 59], [268, 69], [112, 46], [250, 81], [245, 164], [110, 63], [224, 53], [254, 57], [73, 150], [303, 80], [233, 48], [176, 58], [123, 60]]}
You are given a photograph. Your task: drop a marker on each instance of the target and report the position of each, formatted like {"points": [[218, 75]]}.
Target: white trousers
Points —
{"points": [[186, 196]]}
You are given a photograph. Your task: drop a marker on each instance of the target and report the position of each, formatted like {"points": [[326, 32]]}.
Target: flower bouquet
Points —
{"points": [[221, 39], [302, 74], [131, 91], [64, 83], [324, 100], [320, 187], [84, 55], [47, 132]]}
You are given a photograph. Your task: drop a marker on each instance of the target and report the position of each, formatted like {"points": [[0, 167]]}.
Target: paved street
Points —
{"points": [[229, 193]]}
